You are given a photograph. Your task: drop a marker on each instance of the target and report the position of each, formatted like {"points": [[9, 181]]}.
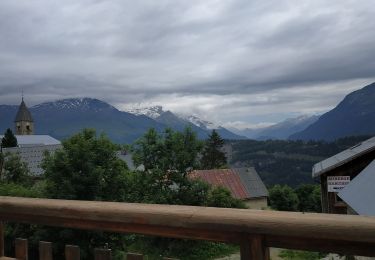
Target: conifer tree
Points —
{"points": [[9, 140], [212, 156]]}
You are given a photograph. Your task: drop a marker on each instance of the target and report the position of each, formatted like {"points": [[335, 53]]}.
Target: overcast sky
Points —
{"points": [[238, 63]]}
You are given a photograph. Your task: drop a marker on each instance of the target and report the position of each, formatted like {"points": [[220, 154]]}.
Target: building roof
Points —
{"points": [[23, 113], [252, 182], [243, 183], [33, 140], [344, 157], [359, 194]]}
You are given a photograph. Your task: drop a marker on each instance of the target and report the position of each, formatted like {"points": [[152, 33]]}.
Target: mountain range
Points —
{"points": [[281, 130], [62, 118], [179, 122], [354, 115]]}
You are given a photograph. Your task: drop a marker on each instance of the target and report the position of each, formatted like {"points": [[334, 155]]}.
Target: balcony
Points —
{"points": [[254, 230]]}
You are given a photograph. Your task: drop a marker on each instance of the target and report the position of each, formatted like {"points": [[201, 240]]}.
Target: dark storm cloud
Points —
{"points": [[248, 52]]}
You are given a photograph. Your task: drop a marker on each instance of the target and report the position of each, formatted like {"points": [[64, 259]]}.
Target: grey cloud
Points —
{"points": [[129, 52]]}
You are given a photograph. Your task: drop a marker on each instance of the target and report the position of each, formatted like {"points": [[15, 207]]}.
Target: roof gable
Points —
{"points": [[343, 157], [252, 182], [359, 194], [243, 183]]}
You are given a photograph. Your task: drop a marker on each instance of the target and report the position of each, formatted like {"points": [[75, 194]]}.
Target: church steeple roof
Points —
{"points": [[23, 113]]}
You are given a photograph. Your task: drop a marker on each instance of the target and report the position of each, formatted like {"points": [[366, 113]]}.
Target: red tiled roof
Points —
{"points": [[227, 178]]}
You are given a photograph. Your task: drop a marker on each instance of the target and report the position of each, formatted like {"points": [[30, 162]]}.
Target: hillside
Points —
{"points": [[287, 162], [355, 115]]}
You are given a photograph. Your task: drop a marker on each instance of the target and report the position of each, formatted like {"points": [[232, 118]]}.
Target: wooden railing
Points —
{"points": [[254, 230]]}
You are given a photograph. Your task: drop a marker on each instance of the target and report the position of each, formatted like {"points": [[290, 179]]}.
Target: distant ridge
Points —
{"points": [[354, 115], [179, 122], [63, 118], [281, 130]]}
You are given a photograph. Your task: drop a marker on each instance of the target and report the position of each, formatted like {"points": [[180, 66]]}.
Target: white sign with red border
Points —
{"points": [[337, 183]]}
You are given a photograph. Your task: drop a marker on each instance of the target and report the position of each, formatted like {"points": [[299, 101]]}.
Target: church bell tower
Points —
{"points": [[24, 123]]}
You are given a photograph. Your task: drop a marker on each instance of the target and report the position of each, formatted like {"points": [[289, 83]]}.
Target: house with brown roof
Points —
{"points": [[243, 183]]}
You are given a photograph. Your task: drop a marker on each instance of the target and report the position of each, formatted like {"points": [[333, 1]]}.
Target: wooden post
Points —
{"points": [[45, 250], [253, 248], [132, 256], [21, 249], [2, 231], [103, 254], [72, 252]]}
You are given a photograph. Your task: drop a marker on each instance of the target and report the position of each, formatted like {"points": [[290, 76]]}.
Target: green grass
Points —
{"points": [[300, 255], [156, 248]]}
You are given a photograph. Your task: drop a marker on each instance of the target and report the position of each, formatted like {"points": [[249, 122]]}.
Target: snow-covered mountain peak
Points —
{"points": [[76, 103], [153, 112], [200, 122]]}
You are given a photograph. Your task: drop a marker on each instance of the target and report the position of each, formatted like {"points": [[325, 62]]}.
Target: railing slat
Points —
{"points": [[253, 248], [21, 249], [2, 231], [103, 254], [45, 250], [133, 256], [72, 252]]}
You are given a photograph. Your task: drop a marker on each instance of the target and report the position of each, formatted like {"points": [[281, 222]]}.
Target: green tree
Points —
{"points": [[86, 168], [174, 155], [9, 139], [283, 198], [180, 151], [221, 197], [14, 170], [212, 156], [167, 159], [148, 150], [309, 198], [18, 190], [168, 152], [1, 165]]}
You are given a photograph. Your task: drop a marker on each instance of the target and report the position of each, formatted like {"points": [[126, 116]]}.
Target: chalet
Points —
{"points": [[243, 183], [347, 180]]}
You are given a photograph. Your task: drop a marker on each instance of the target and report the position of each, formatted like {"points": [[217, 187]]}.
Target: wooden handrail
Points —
{"points": [[308, 231]]}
